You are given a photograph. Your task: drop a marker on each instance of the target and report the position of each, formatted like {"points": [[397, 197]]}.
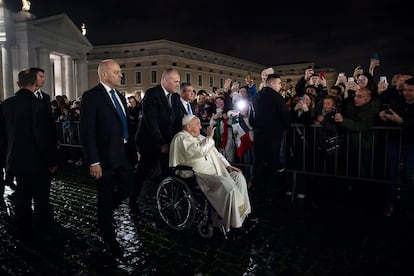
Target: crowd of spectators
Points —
{"points": [[340, 118]]}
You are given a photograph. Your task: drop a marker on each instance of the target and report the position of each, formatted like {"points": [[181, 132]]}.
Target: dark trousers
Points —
{"points": [[33, 186], [114, 186], [267, 157], [153, 166], [9, 176], [2, 183], [400, 174]]}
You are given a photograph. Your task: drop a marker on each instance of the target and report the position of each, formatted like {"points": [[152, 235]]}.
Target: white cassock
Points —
{"points": [[227, 192]]}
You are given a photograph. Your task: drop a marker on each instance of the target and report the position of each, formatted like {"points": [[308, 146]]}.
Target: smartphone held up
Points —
{"points": [[386, 108], [322, 75]]}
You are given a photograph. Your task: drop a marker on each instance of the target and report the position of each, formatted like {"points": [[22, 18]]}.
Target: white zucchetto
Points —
{"points": [[187, 118]]}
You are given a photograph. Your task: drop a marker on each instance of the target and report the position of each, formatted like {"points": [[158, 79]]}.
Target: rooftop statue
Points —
{"points": [[26, 5], [24, 14], [83, 28]]}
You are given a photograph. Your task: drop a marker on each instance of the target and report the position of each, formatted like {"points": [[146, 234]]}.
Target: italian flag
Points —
{"points": [[242, 138]]}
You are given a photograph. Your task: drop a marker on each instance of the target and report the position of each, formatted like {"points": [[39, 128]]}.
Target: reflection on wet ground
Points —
{"points": [[278, 239]]}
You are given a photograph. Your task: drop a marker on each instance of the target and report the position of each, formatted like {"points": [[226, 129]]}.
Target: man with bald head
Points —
{"points": [[224, 185], [104, 122], [160, 121]]}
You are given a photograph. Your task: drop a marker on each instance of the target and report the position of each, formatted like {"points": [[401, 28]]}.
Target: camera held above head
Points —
{"points": [[241, 104]]}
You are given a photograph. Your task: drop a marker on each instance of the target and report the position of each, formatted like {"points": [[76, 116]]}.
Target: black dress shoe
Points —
{"points": [[269, 201], [134, 209], [113, 247], [26, 238]]}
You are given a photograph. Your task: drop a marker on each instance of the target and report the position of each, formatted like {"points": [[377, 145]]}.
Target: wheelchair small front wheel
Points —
{"points": [[205, 229]]}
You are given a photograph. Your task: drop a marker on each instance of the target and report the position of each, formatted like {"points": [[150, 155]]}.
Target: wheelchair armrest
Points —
{"points": [[183, 171], [181, 168]]}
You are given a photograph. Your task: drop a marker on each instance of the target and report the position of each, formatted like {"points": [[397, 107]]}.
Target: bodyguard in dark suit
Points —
{"points": [[42, 96], [2, 163], [31, 155], [159, 123], [185, 103], [181, 105], [40, 81], [271, 119], [104, 135]]}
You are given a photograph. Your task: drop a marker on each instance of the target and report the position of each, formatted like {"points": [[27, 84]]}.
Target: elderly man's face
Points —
{"points": [[187, 93], [194, 127], [362, 97]]}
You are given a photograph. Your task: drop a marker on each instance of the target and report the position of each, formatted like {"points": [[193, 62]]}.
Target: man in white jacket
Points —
{"points": [[224, 185]]}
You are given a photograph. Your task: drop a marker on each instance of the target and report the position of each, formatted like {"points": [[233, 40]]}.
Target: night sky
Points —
{"points": [[333, 34]]}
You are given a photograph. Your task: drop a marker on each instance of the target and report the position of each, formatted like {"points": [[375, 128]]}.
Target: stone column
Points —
{"points": [[67, 77], [81, 76], [6, 73], [43, 57], [57, 66]]}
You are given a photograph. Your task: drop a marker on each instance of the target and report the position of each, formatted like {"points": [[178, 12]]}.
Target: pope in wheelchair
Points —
{"points": [[224, 185]]}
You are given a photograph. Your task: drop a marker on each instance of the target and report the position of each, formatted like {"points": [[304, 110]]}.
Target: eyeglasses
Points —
{"points": [[360, 96]]}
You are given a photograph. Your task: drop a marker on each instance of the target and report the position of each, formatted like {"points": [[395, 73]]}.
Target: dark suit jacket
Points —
{"points": [[101, 129], [272, 116], [180, 112], [159, 122], [46, 100], [27, 133], [3, 144]]}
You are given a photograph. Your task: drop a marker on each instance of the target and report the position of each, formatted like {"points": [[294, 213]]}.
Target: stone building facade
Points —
{"points": [[70, 61], [142, 64], [52, 43]]}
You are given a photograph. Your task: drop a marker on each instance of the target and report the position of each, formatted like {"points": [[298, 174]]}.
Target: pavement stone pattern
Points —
{"points": [[278, 239]]}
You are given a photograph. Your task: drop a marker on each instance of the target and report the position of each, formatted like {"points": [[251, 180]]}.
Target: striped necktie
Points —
{"points": [[169, 99]]}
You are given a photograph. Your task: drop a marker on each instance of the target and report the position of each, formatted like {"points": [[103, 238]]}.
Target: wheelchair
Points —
{"points": [[181, 203]]}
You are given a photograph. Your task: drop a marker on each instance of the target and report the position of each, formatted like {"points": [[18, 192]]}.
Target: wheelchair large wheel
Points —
{"points": [[175, 203]]}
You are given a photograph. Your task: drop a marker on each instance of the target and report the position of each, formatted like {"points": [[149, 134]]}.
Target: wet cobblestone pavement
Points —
{"points": [[281, 239]]}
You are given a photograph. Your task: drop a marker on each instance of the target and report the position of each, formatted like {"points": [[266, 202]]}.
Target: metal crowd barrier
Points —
{"points": [[304, 155], [68, 135], [352, 160]]}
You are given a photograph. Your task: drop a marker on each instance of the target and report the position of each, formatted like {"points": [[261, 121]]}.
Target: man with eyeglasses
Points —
{"points": [[358, 119]]}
